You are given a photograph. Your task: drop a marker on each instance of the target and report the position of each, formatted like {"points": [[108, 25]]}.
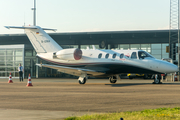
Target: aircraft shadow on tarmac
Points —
{"points": [[127, 84], [132, 84]]}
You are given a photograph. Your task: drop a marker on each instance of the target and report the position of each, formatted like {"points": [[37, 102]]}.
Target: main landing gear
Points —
{"points": [[82, 79], [113, 79], [157, 79]]}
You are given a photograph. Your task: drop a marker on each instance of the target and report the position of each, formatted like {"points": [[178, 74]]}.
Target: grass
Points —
{"points": [[149, 114]]}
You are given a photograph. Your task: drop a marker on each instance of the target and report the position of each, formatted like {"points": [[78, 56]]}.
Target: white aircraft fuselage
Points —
{"points": [[114, 65]]}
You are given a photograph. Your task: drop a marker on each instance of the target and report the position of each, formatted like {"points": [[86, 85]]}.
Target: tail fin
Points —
{"points": [[40, 40]]}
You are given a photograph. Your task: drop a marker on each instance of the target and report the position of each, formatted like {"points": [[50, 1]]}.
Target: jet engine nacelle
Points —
{"points": [[69, 54]]}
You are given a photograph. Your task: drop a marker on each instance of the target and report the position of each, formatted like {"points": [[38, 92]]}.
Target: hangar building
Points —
{"points": [[16, 48]]}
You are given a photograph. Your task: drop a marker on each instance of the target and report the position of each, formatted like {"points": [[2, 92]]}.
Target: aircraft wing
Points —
{"points": [[71, 70]]}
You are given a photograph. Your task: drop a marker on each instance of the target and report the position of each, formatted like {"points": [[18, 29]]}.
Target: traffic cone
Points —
{"points": [[29, 81], [10, 78]]}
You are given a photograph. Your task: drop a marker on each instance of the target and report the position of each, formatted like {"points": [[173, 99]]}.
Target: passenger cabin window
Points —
{"points": [[143, 54], [107, 55], [121, 56], [100, 55], [134, 55], [114, 55]]}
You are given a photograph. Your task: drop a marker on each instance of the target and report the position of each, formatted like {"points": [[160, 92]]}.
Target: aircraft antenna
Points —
{"points": [[24, 19]]}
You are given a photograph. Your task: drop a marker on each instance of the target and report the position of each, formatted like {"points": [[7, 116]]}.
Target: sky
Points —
{"points": [[86, 15]]}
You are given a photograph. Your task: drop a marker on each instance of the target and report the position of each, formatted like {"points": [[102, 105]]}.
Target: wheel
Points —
{"points": [[83, 81], [157, 79], [112, 80], [130, 77]]}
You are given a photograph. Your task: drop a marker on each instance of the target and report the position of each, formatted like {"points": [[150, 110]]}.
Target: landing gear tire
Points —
{"points": [[157, 79], [83, 81], [112, 80]]}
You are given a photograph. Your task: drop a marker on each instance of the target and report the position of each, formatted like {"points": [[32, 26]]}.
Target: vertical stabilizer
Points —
{"points": [[40, 40]]}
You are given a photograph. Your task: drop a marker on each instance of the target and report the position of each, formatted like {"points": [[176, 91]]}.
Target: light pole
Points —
{"points": [[34, 20]]}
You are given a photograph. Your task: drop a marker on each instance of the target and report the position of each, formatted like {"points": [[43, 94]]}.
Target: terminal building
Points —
{"points": [[16, 48]]}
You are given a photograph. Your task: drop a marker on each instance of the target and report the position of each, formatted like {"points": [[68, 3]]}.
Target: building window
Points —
{"points": [[135, 46], [164, 54], [69, 46], [124, 46], [10, 57], [155, 46], [146, 47], [156, 50], [29, 53]]}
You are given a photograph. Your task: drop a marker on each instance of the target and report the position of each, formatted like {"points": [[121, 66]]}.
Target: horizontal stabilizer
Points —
{"points": [[28, 27]]}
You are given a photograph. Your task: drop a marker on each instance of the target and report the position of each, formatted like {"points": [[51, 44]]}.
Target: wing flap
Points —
{"points": [[71, 70]]}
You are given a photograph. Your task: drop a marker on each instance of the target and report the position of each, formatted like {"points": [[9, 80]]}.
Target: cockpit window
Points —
{"points": [[143, 54], [133, 55], [107, 55], [114, 55], [121, 56], [100, 55]]}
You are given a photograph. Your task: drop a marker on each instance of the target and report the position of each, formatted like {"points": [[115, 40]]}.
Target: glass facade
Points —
{"points": [[10, 57], [69, 46], [156, 50], [29, 63]]}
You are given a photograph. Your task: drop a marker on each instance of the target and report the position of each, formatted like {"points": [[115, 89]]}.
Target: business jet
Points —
{"points": [[93, 62]]}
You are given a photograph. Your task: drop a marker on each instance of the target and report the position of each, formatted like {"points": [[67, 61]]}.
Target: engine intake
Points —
{"points": [[69, 54]]}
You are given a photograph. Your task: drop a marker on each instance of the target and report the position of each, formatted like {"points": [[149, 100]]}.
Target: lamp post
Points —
{"points": [[34, 20]]}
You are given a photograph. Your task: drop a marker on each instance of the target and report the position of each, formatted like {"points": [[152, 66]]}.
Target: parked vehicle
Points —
{"points": [[144, 76]]}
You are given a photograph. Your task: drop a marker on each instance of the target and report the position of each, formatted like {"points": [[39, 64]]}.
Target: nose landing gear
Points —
{"points": [[157, 79], [113, 79]]}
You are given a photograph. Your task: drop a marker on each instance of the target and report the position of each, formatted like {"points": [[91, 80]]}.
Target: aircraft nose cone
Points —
{"points": [[169, 67], [174, 68]]}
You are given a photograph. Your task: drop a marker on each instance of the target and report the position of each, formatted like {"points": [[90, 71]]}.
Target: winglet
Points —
{"points": [[7, 27]]}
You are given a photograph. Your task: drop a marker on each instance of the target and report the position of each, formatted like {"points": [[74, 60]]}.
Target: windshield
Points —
{"points": [[143, 54]]}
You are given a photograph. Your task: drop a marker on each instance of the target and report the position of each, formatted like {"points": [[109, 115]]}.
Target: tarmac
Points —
{"points": [[50, 99]]}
